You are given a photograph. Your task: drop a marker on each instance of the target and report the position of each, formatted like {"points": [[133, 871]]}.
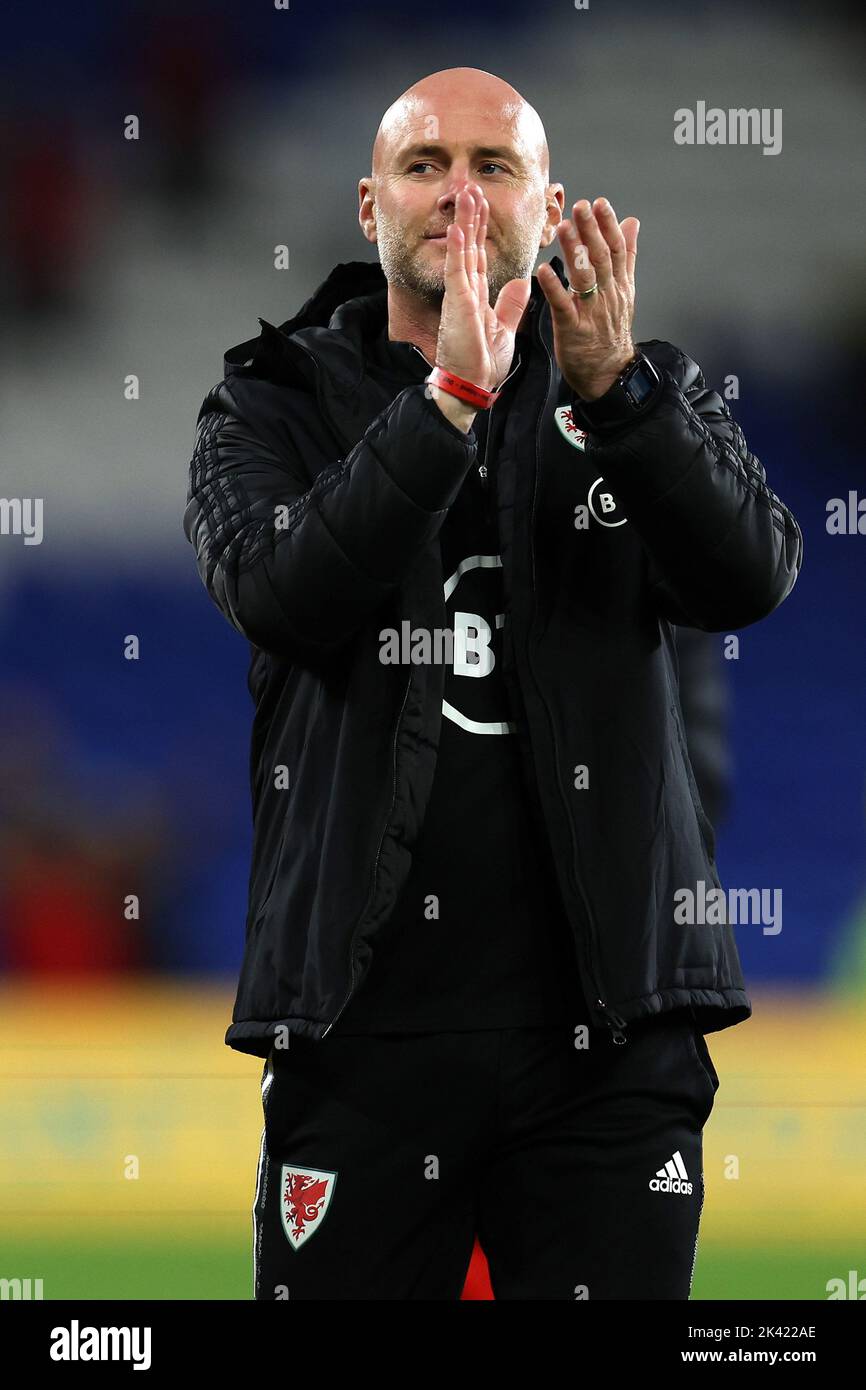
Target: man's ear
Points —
{"points": [[555, 200], [367, 208]]}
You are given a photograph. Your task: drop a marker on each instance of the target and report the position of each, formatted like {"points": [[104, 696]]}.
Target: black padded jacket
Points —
{"points": [[314, 506]]}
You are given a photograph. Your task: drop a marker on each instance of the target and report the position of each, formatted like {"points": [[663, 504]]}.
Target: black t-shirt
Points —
{"points": [[478, 937]]}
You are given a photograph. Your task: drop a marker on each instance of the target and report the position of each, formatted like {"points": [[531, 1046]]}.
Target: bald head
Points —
{"points": [[466, 95], [454, 127]]}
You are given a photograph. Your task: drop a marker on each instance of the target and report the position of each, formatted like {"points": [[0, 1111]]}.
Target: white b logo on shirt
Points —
{"points": [[473, 655], [604, 506], [473, 650]]}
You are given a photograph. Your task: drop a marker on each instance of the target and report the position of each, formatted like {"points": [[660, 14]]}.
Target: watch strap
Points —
{"points": [[633, 394]]}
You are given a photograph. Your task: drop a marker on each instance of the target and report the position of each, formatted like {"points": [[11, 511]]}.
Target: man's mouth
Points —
{"points": [[439, 236]]}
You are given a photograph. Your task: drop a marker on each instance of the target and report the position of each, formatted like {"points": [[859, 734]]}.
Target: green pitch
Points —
{"points": [[198, 1269]]}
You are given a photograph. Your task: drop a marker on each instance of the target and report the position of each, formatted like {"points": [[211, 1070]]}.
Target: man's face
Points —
{"points": [[416, 187]]}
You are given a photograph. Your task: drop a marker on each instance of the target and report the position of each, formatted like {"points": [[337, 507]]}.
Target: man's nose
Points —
{"points": [[447, 201]]}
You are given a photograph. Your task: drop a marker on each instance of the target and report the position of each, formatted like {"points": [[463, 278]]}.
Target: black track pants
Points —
{"points": [[580, 1170]]}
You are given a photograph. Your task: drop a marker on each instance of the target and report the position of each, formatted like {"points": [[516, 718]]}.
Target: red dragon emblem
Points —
{"points": [[305, 1195]]}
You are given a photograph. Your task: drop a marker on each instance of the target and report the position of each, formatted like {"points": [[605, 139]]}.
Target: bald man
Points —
{"points": [[458, 515]]}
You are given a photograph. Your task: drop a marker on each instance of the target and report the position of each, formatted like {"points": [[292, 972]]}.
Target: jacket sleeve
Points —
{"points": [[723, 550], [297, 567]]}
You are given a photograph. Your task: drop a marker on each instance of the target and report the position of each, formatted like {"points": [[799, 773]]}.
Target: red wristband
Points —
{"points": [[463, 390]]}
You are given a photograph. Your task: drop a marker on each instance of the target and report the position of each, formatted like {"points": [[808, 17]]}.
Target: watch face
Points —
{"points": [[639, 385]]}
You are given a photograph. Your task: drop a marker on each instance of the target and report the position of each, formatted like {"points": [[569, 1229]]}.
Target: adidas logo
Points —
{"points": [[673, 1177]]}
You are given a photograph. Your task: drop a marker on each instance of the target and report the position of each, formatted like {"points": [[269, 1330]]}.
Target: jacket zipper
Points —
{"points": [[482, 467], [613, 1020], [376, 864], [342, 1007]]}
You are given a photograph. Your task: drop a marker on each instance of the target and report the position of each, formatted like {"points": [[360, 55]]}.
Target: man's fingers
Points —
{"points": [[590, 232], [621, 237], [456, 279], [561, 300], [630, 228], [511, 303], [483, 288], [472, 243], [575, 253], [613, 235], [458, 269]]}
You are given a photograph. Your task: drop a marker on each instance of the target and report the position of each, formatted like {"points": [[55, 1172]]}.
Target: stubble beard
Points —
{"points": [[411, 267]]}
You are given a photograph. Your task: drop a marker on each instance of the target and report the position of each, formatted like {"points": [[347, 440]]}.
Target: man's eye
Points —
{"points": [[488, 164]]}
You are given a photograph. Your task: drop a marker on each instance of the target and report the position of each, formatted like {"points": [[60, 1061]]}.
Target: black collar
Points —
{"points": [[353, 304], [360, 287]]}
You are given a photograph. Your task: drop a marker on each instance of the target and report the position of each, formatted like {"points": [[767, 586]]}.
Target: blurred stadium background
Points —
{"points": [[150, 257]]}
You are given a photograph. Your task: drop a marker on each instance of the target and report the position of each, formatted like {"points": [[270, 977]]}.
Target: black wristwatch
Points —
{"points": [[635, 391]]}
